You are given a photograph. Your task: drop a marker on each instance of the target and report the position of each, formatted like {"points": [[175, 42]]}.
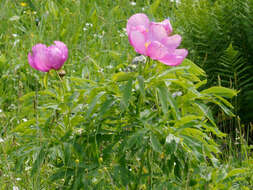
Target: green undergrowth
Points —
{"points": [[108, 123]]}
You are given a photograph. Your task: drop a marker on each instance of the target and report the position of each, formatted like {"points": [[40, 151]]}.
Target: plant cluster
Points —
{"points": [[91, 114]]}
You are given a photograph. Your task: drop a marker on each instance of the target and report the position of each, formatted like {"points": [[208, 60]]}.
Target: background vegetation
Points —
{"points": [[110, 123]]}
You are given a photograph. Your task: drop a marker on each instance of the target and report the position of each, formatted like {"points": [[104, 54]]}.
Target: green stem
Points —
{"points": [[150, 169]]}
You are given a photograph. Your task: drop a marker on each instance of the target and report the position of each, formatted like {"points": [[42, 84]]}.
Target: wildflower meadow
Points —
{"points": [[126, 95]]}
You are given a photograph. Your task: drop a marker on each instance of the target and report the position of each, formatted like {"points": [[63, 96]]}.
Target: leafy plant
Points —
{"points": [[137, 129], [219, 36]]}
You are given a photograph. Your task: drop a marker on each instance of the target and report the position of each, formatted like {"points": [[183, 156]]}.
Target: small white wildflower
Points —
{"points": [[1, 110], [94, 180], [125, 31], [15, 188], [171, 138], [16, 42], [14, 35], [28, 168], [109, 67], [24, 119], [84, 29], [1, 140], [132, 3], [121, 35], [14, 18], [143, 8], [79, 131], [140, 58], [89, 24], [178, 93], [18, 179]]}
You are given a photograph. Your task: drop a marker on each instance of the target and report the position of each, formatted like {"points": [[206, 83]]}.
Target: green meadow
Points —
{"points": [[107, 121]]}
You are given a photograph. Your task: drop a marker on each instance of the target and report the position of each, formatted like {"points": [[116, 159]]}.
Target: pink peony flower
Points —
{"points": [[45, 58], [153, 39]]}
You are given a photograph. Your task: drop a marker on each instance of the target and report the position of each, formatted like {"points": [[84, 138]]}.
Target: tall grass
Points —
{"points": [[93, 130]]}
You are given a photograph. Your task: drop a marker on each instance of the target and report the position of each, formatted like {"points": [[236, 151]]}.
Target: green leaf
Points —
{"points": [[39, 160], [45, 80], [141, 85], [154, 6], [194, 69], [162, 92], [127, 91], [122, 76], [106, 105], [165, 98], [67, 153], [27, 96], [136, 138], [220, 91], [94, 102], [206, 110], [155, 144], [236, 171], [23, 126]]}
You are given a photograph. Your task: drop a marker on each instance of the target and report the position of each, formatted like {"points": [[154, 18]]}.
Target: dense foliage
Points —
{"points": [[112, 122], [219, 36]]}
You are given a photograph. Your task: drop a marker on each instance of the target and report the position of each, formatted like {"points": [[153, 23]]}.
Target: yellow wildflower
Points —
{"points": [[23, 4]]}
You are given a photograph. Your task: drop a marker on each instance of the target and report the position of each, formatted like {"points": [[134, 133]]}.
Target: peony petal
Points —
{"points": [[138, 40], [138, 19], [181, 52], [167, 26], [56, 57], [156, 32], [63, 49], [40, 58], [175, 58], [156, 50], [172, 42], [31, 62]]}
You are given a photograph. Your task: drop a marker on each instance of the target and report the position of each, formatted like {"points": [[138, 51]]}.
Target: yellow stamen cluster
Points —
{"points": [[23, 4], [147, 44]]}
